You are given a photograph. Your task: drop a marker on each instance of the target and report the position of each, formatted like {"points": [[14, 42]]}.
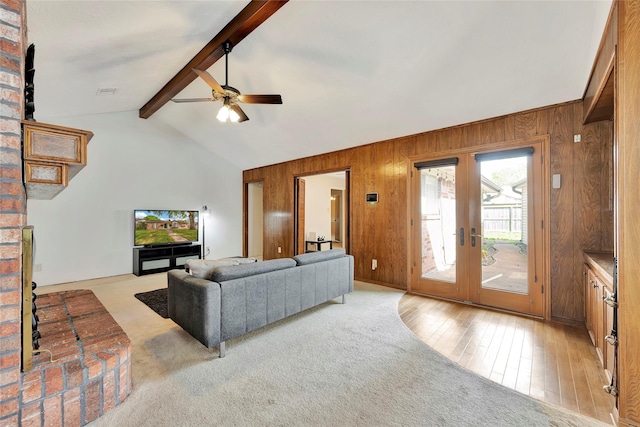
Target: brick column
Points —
{"points": [[12, 203]]}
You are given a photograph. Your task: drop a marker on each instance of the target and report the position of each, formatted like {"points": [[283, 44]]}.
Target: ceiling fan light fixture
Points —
{"points": [[223, 113], [230, 96], [226, 113], [233, 116]]}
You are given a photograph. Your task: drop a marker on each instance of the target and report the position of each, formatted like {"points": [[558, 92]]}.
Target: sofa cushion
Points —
{"points": [[222, 274], [201, 267], [318, 256]]}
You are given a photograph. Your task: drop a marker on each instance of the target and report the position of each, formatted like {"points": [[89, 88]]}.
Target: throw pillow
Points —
{"points": [[201, 267], [240, 260]]}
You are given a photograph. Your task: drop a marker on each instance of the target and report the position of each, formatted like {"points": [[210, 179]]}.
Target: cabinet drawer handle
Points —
{"points": [[610, 301]]}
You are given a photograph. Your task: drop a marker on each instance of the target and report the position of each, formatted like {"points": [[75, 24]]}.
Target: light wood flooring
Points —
{"points": [[552, 362]]}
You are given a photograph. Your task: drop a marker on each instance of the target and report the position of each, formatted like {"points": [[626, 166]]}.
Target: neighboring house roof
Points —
{"points": [[519, 185], [506, 197], [490, 189]]}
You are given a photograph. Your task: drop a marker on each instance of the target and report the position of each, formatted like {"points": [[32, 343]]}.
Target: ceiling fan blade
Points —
{"points": [[204, 75], [193, 100], [260, 99], [237, 109]]}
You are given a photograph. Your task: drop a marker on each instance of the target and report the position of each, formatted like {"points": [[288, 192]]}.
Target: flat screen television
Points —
{"points": [[165, 227]]}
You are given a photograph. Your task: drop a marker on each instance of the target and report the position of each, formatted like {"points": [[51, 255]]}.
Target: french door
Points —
{"points": [[477, 222]]}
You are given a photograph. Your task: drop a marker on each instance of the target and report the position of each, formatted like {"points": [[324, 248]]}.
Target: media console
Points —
{"points": [[163, 258]]}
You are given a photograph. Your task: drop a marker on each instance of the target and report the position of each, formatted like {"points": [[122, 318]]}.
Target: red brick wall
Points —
{"points": [[12, 203]]}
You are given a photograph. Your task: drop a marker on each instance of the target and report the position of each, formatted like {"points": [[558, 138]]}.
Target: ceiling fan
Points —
{"points": [[229, 96]]}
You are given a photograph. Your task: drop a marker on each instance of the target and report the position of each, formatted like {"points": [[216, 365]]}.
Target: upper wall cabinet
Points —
{"points": [[598, 101], [52, 156], [601, 106]]}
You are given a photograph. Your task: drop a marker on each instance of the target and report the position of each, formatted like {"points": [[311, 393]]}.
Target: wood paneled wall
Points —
{"points": [[628, 207], [581, 211]]}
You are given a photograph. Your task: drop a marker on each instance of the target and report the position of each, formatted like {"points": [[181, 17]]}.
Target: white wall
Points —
{"points": [[86, 231], [256, 219], [318, 203]]}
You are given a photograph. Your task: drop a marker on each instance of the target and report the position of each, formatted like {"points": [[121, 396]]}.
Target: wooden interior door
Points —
{"points": [[459, 252]]}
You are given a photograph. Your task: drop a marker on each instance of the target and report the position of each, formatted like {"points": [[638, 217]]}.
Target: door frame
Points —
{"points": [[299, 206], [545, 247]]}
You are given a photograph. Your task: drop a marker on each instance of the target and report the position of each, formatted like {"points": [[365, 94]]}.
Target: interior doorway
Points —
{"points": [[322, 211]]}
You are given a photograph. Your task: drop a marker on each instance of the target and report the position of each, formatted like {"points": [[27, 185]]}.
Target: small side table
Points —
{"points": [[317, 243]]}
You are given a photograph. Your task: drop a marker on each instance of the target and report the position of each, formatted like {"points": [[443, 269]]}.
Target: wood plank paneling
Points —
{"points": [[380, 231], [560, 121], [426, 143], [628, 205], [401, 153], [526, 125], [587, 211]]}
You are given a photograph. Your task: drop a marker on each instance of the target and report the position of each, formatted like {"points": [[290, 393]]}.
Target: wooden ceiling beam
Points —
{"points": [[249, 18]]}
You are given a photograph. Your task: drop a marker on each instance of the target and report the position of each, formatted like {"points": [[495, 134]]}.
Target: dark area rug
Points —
{"points": [[156, 301]]}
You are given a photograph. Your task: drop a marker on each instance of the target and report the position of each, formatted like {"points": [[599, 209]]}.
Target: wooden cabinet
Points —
{"points": [[595, 311], [599, 316], [158, 259], [52, 156], [609, 348]]}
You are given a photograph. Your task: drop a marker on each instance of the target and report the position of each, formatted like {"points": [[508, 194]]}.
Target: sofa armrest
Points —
{"points": [[194, 304]]}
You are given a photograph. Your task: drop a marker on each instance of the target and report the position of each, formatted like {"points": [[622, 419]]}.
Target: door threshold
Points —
{"points": [[474, 304]]}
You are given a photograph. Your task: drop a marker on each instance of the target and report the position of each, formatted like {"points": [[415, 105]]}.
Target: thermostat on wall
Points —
{"points": [[372, 197]]}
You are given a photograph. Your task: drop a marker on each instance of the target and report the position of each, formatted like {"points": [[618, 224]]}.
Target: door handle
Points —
{"points": [[473, 237], [461, 236]]}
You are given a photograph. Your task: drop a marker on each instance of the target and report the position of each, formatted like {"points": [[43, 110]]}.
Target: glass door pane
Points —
{"points": [[504, 216], [505, 211], [438, 223]]}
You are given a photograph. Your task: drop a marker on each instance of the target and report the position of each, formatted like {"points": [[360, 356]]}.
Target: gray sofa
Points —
{"points": [[234, 300]]}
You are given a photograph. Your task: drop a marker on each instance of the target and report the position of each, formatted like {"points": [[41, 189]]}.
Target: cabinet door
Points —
{"points": [[609, 349], [598, 319], [589, 293]]}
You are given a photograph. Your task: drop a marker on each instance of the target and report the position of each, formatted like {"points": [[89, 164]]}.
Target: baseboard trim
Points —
{"points": [[377, 282], [567, 321]]}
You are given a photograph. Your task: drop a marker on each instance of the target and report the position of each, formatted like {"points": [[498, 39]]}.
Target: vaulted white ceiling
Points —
{"points": [[349, 72]]}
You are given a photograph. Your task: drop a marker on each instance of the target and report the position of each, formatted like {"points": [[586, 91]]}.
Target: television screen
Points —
{"points": [[165, 227]]}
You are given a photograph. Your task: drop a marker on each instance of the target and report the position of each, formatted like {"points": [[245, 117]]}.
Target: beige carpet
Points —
{"points": [[354, 364]]}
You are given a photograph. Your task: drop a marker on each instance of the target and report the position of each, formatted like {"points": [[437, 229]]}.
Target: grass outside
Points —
{"points": [[150, 237], [502, 236], [188, 234]]}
